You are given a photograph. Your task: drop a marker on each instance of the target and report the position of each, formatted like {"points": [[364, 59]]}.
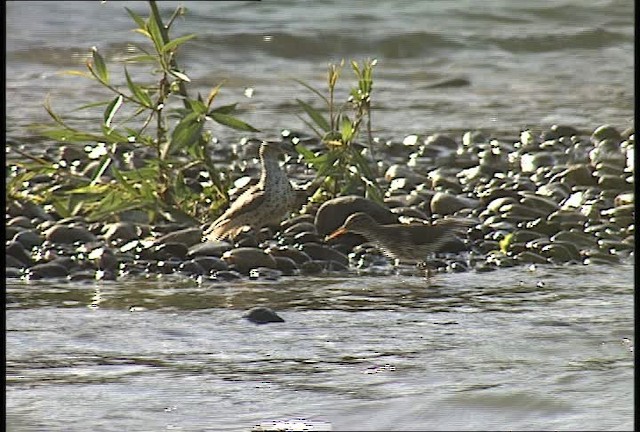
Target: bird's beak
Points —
{"points": [[337, 233]]}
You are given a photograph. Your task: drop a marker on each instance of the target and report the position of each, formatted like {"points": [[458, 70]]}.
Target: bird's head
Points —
{"points": [[357, 222]]}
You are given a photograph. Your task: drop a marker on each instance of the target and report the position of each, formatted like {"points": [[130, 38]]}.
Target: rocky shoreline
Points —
{"points": [[558, 197]]}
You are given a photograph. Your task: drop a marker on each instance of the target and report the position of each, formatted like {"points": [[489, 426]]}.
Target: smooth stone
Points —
{"points": [[307, 237], [578, 175], [123, 231], [65, 234], [13, 262], [312, 267], [576, 237], [265, 273], [29, 238], [20, 221], [605, 132], [444, 203], [29, 210], [497, 203], [12, 231], [614, 182], [12, 272], [164, 252], [191, 268], [286, 265], [614, 245], [104, 258], [596, 257], [539, 202], [324, 253], [243, 259], [17, 250], [210, 263], [214, 248], [262, 315], [300, 227], [296, 255], [560, 252], [47, 270], [332, 214], [526, 235], [227, 275], [186, 236], [298, 219]]}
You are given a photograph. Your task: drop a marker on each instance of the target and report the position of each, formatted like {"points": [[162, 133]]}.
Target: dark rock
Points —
{"points": [[334, 212], [295, 254], [214, 248], [211, 264], [20, 221], [186, 236], [28, 238], [244, 259], [312, 267], [47, 270], [66, 234], [12, 272], [123, 231], [447, 204], [605, 132], [264, 273], [192, 268], [17, 251], [324, 253], [227, 275], [163, 252], [286, 265], [262, 315]]}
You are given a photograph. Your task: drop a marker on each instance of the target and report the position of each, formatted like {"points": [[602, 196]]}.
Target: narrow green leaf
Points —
{"points": [[346, 129], [197, 106], [185, 133], [225, 109], [100, 68], [177, 42], [145, 58], [155, 33], [136, 18], [315, 115], [232, 122], [111, 110], [91, 105], [181, 76], [138, 92], [323, 97]]}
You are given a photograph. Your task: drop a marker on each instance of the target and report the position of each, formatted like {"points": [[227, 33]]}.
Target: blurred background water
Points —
{"points": [[509, 65]]}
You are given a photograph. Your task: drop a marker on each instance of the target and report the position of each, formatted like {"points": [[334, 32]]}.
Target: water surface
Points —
{"points": [[509, 350]]}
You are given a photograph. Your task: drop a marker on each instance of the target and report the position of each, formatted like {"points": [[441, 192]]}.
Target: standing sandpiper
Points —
{"points": [[266, 203], [410, 243]]}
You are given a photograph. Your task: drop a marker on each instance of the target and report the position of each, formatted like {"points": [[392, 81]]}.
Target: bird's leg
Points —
{"points": [[427, 271]]}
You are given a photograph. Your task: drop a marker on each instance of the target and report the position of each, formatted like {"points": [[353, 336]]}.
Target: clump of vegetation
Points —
{"points": [[342, 168], [159, 117]]}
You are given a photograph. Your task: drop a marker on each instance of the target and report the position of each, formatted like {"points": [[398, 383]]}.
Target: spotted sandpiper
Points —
{"points": [[409, 243], [266, 203]]}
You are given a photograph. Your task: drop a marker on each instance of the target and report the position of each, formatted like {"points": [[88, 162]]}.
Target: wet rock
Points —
{"points": [[163, 252], [20, 221], [66, 234], [122, 231], [559, 252], [13, 262], [286, 265], [28, 209], [307, 237], [227, 275], [312, 267], [210, 264], [47, 270], [29, 238], [12, 273], [296, 255], [186, 236], [104, 259], [264, 273], [614, 182], [214, 248], [324, 253], [262, 315], [192, 268], [17, 250], [243, 259], [444, 203], [334, 212], [605, 132]]}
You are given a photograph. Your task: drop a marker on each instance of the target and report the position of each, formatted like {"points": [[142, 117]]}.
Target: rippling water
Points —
{"points": [[509, 350], [525, 64]]}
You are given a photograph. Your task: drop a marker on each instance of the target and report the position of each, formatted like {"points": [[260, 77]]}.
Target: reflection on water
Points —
{"points": [[515, 349]]}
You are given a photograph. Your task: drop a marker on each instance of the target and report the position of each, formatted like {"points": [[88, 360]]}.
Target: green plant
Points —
{"points": [[342, 168], [160, 117]]}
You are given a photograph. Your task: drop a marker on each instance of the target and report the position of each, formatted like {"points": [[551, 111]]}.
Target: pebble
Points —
{"points": [[262, 315]]}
